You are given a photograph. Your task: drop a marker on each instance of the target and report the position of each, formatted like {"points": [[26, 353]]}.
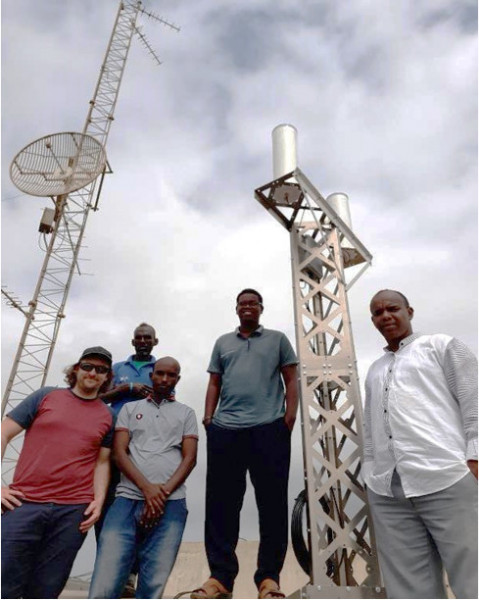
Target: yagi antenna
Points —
{"points": [[13, 302], [143, 39], [159, 19], [147, 46]]}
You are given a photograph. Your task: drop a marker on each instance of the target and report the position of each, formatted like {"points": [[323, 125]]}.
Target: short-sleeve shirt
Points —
{"points": [[156, 435], [64, 434], [252, 391], [129, 371]]}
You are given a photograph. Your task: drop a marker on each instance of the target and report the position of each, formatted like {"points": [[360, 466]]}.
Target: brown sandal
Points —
{"points": [[212, 588], [270, 589]]}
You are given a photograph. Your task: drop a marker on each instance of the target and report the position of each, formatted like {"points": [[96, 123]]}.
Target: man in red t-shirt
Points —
{"points": [[60, 480]]}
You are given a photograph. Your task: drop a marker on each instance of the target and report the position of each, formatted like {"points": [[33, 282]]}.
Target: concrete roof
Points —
{"points": [[191, 570]]}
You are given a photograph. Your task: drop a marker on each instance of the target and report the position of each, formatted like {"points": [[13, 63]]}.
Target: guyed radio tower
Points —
{"points": [[70, 168], [327, 258]]}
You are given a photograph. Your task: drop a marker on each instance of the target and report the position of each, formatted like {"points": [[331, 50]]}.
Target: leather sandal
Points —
{"points": [[212, 588], [268, 588]]}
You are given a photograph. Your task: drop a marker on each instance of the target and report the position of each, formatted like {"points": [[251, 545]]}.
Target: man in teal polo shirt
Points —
{"points": [[131, 378], [131, 381], [249, 416]]}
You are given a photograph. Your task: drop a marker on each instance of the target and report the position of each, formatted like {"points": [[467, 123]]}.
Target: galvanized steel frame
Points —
{"points": [[331, 409]]}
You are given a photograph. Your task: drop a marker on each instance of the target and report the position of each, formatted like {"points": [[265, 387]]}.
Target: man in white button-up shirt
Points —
{"points": [[420, 456]]}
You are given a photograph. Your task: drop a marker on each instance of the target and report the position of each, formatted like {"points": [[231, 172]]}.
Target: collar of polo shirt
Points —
{"points": [[170, 398], [257, 331]]}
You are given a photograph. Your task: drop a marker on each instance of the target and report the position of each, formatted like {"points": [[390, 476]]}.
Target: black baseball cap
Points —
{"points": [[97, 351]]}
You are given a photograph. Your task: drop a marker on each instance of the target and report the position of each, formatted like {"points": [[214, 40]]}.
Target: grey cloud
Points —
{"points": [[462, 14]]}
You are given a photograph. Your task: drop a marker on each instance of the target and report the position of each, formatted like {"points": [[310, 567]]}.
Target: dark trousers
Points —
{"points": [[39, 544], [264, 451]]}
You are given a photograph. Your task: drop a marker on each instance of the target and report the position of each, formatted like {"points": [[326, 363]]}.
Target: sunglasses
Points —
{"points": [[100, 369]]}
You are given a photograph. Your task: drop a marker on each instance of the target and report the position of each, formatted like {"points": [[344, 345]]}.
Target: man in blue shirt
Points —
{"points": [[249, 416], [131, 378], [131, 381]]}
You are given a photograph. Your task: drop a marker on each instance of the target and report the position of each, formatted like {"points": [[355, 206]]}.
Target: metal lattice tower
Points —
{"points": [[47, 308], [327, 258]]}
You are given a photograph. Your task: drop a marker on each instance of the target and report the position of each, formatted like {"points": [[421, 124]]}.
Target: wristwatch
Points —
{"points": [[206, 421]]}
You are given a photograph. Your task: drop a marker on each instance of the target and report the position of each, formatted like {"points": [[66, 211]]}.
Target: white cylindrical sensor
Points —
{"points": [[340, 203], [285, 157]]}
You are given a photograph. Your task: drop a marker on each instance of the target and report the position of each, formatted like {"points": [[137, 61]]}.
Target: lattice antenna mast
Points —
{"points": [[327, 258], [66, 223]]}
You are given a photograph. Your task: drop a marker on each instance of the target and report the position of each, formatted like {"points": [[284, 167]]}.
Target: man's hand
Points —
{"points": [[141, 390], [93, 513], [289, 420], [472, 464], [11, 498], [156, 495], [149, 517], [289, 374]]}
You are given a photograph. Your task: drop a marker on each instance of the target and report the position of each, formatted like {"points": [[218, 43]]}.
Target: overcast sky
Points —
{"points": [[384, 97]]}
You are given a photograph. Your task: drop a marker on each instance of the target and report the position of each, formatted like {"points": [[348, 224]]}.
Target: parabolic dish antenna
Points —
{"points": [[58, 164]]}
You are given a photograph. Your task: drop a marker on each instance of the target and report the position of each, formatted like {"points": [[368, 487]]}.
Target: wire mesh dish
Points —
{"points": [[58, 164]]}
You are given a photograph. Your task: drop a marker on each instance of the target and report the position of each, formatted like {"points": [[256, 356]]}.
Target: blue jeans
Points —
{"points": [[39, 544], [122, 540]]}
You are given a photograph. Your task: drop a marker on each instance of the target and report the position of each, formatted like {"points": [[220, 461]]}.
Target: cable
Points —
{"points": [[301, 550]]}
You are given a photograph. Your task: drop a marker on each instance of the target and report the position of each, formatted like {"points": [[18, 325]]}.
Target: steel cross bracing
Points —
{"points": [[46, 309], [322, 246]]}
